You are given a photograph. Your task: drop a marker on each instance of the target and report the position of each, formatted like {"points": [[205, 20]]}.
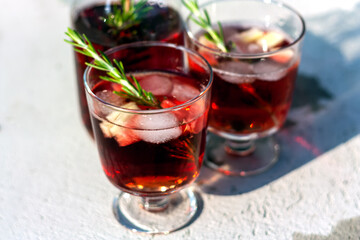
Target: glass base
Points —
{"points": [[157, 215], [241, 158]]}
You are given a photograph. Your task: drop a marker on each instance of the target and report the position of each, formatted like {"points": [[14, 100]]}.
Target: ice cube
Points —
{"points": [[254, 48], [110, 97], [184, 92], [157, 128], [269, 70], [247, 48], [115, 126], [192, 115], [158, 84], [236, 72]]}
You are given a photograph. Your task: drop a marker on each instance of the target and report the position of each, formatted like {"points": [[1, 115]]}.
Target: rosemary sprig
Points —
{"points": [[127, 15], [116, 74], [203, 20]]}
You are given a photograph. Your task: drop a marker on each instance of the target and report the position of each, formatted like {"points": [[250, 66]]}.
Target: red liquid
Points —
{"points": [[251, 102], [141, 163], [160, 24]]}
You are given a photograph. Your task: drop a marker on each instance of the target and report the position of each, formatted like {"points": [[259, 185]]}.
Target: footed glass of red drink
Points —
{"points": [[253, 80], [97, 19], [151, 153]]}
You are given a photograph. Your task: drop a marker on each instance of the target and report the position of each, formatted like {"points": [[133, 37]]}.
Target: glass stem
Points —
{"points": [[155, 204], [240, 148]]}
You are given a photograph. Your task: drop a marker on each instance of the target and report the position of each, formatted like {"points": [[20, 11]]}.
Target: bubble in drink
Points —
{"points": [[184, 92]]}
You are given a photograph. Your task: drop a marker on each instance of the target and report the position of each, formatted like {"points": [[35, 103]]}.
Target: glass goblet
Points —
{"points": [[151, 154], [253, 81]]}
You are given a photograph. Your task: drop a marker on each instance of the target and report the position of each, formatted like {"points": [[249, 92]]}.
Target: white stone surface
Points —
{"points": [[52, 185]]}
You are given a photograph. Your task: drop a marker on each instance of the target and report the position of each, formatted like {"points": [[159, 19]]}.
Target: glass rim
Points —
{"points": [[151, 111], [242, 55]]}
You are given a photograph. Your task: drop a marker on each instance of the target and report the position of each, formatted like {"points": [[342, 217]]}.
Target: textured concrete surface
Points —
{"points": [[52, 185]]}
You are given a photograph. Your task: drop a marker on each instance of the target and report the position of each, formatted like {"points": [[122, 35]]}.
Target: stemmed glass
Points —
{"points": [[253, 82], [152, 154], [161, 22]]}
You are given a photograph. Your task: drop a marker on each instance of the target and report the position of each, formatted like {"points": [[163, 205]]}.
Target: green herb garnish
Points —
{"points": [[116, 74], [203, 20], [129, 14]]}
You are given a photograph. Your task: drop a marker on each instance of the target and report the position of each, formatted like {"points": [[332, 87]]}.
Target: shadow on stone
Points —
{"points": [[347, 229], [309, 92]]}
